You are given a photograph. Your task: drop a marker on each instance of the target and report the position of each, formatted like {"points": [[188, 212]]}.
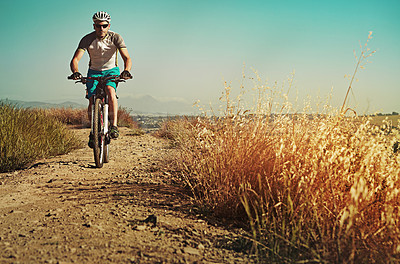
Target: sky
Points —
{"points": [[185, 50]]}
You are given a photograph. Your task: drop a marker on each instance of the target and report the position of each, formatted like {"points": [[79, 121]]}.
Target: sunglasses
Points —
{"points": [[99, 26]]}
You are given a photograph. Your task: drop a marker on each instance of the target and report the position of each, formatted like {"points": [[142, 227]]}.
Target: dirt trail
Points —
{"points": [[62, 210]]}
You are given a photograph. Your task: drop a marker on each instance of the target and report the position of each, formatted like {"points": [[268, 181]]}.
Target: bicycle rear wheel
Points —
{"points": [[98, 133]]}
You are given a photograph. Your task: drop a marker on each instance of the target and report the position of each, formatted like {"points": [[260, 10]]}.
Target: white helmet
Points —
{"points": [[101, 16]]}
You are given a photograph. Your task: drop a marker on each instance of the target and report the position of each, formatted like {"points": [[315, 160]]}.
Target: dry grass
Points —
{"points": [[175, 128], [125, 119], [321, 187], [390, 120], [79, 117], [30, 134], [70, 116], [312, 187]]}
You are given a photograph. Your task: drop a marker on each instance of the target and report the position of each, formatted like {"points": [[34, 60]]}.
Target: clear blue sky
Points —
{"points": [[186, 49]]}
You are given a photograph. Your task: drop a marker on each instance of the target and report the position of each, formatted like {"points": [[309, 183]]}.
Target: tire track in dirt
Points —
{"points": [[63, 210]]}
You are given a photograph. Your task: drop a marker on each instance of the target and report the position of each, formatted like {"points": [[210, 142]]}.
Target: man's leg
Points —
{"points": [[91, 139], [89, 111], [113, 105], [113, 111]]}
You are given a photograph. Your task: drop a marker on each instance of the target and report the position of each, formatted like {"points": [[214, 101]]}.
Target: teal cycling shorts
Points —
{"points": [[91, 85]]}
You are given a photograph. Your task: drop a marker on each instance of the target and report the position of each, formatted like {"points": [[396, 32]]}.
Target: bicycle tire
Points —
{"points": [[99, 140]]}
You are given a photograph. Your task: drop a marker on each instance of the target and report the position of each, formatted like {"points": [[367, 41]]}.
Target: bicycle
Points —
{"points": [[99, 119]]}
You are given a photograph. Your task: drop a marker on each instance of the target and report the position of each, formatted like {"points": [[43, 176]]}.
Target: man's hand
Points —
{"points": [[126, 75], [76, 76]]}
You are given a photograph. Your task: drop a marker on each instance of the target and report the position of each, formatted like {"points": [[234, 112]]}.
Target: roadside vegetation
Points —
{"points": [[79, 117], [316, 186], [30, 134], [310, 187]]}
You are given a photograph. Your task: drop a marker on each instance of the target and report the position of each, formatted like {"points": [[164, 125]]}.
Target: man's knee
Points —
{"points": [[110, 90]]}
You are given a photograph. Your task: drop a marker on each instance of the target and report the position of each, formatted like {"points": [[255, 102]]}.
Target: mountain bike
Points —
{"points": [[99, 122]]}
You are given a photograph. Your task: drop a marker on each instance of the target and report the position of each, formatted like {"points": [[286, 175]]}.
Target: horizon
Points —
{"points": [[186, 50], [74, 104]]}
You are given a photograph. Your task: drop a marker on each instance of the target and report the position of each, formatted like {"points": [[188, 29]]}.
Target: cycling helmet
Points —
{"points": [[101, 16]]}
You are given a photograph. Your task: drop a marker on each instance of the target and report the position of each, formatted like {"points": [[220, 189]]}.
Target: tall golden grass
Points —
{"points": [[320, 187], [30, 134]]}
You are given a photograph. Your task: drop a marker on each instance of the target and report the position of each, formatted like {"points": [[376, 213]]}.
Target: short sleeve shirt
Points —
{"points": [[102, 52]]}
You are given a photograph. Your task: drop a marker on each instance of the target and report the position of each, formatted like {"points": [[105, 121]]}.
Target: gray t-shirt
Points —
{"points": [[102, 52]]}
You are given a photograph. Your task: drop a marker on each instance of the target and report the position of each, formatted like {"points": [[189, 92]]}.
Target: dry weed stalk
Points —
{"points": [[361, 60]]}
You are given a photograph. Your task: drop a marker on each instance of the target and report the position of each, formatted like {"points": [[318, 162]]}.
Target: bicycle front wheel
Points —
{"points": [[98, 133], [107, 151]]}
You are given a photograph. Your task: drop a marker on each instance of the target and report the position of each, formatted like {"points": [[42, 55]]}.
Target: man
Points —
{"points": [[103, 46]]}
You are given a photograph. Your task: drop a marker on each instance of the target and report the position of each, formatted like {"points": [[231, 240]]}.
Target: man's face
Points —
{"points": [[101, 28]]}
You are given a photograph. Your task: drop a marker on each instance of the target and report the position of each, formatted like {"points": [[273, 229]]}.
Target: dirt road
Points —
{"points": [[133, 210]]}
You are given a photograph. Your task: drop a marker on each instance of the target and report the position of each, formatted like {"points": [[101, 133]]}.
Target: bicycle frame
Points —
{"points": [[105, 111], [102, 95], [99, 126]]}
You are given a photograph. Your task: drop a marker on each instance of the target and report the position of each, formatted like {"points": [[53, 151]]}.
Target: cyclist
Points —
{"points": [[102, 46]]}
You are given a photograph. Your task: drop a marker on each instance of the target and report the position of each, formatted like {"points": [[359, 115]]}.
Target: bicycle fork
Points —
{"points": [[92, 115], [104, 119]]}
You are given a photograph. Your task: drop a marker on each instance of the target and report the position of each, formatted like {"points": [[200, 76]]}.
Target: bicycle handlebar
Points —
{"points": [[113, 78]]}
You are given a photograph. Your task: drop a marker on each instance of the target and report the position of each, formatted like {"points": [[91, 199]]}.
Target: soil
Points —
{"points": [[133, 210]]}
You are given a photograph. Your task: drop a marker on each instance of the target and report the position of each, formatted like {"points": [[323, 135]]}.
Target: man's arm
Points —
{"points": [[75, 60], [127, 59]]}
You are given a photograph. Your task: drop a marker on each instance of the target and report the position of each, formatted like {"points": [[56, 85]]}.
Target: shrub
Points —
{"points": [[28, 134], [125, 119], [70, 116], [79, 117], [175, 128]]}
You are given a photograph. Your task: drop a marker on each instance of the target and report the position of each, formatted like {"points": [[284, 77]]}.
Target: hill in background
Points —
{"points": [[37, 104], [143, 105]]}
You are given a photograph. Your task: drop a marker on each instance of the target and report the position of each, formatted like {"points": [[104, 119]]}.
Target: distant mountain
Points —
{"points": [[37, 104], [145, 104], [149, 104]]}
